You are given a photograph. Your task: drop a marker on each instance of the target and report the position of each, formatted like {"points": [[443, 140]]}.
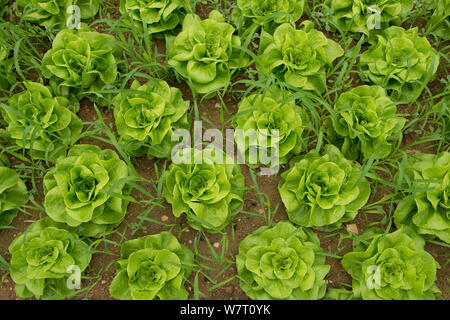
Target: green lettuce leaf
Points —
{"points": [[439, 23], [7, 76], [258, 115]]}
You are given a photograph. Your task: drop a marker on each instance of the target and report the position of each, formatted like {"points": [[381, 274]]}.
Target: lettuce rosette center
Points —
{"points": [[152, 267], [13, 194]]}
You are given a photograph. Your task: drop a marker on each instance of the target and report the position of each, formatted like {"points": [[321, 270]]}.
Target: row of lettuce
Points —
{"points": [[87, 194], [397, 65]]}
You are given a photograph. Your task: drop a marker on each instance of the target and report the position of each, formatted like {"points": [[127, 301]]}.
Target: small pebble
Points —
{"points": [[217, 105], [164, 218], [103, 281], [216, 244]]}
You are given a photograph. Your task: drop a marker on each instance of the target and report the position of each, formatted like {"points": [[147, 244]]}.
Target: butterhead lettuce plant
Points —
{"points": [[87, 190], [364, 16], [44, 257], [41, 122], [439, 22], [365, 123], [206, 185], [323, 191], [400, 61], [391, 266], [205, 52], [268, 121], [282, 262], [425, 206], [81, 62], [300, 58], [13, 194], [57, 13], [153, 267], [148, 115], [267, 13], [159, 15]]}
